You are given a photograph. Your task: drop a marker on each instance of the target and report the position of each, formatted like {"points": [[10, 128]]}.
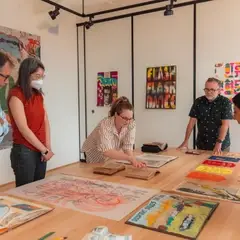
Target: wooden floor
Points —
{"points": [[223, 225]]}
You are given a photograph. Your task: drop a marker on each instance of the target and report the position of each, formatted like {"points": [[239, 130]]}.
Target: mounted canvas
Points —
{"points": [[175, 215], [211, 191], [107, 88], [18, 45], [161, 87], [15, 212], [100, 198]]}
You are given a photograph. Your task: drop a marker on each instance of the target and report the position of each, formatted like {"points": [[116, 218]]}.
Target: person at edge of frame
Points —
{"points": [[6, 67], [31, 131], [236, 111], [212, 113], [114, 136]]}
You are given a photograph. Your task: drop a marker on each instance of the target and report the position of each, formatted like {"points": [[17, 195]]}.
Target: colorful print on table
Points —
{"points": [[229, 75], [105, 199], [219, 163], [107, 88], [18, 45], [224, 158], [15, 212], [211, 191], [161, 87], [176, 215], [215, 168]]}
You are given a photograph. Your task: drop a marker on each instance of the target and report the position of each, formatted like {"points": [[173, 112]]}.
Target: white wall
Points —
{"points": [[160, 41], [218, 38], [108, 48], [59, 55]]}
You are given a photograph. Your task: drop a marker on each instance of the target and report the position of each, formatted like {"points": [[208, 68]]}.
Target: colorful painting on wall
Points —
{"points": [[99, 198], [15, 212], [176, 215], [161, 87], [205, 190], [229, 75], [107, 88], [17, 45]]}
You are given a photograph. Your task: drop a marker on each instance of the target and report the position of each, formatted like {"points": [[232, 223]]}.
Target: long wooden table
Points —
{"points": [[223, 225]]}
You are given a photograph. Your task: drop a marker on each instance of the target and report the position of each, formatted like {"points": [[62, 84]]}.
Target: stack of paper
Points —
{"points": [[102, 233]]}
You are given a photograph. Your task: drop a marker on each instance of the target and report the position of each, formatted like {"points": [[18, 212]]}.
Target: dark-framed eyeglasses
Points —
{"points": [[4, 76], [210, 90], [125, 118]]}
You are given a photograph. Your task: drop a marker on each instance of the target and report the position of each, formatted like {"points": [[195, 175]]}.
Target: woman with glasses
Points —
{"points": [[114, 136], [31, 132]]}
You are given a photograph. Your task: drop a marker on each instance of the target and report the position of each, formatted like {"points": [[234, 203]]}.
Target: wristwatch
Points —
{"points": [[45, 153], [219, 140]]}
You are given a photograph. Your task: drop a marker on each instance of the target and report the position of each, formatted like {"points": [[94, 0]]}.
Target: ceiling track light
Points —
{"points": [[53, 14], [89, 23], [169, 11]]}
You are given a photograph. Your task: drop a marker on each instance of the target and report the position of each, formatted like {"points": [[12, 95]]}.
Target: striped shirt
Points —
{"points": [[105, 137]]}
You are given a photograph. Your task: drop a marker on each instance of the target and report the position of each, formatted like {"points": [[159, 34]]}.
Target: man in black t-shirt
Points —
{"points": [[212, 113]]}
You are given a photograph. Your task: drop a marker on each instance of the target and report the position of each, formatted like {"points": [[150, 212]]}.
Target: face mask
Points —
{"points": [[37, 84]]}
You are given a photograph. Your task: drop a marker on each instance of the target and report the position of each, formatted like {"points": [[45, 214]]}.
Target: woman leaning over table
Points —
{"points": [[114, 136], [31, 132]]}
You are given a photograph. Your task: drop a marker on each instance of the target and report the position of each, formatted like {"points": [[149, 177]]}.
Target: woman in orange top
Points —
{"points": [[31, 133]]}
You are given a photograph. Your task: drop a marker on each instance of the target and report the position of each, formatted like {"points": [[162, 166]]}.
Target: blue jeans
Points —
{"points": [[27, 165]]}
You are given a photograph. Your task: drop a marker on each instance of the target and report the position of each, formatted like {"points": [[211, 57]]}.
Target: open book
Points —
{"points": [[152, 160]]}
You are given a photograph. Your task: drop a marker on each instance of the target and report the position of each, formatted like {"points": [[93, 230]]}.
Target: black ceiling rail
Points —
{"points": [[83, 6], [177, 5], [124, 8], [63, 8], [104, 11]]}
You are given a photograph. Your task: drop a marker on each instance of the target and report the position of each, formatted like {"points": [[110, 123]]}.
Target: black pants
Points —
{"points": [[27, 165]]}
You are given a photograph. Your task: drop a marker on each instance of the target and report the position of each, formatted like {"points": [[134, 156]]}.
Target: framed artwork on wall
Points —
{"points": [[107, 88], [161, 87], [229, 75], [18, 45]]}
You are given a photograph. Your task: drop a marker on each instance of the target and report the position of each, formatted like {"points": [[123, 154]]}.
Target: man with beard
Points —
{"points": [[212, 113]]}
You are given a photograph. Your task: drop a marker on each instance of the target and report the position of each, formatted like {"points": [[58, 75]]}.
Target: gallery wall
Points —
{"points": [[160, 41], [218, 42], [163, 41], [59, 55], [107, 49]]}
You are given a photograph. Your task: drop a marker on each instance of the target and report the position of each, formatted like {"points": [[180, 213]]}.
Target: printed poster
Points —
{"points": [[161, 87], [18, 45], [175, 215], [107, 88], [229, 75]]}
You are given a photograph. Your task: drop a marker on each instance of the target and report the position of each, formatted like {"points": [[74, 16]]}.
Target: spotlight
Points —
{"points": [[169, 11], [55, 13], [89, 23]]}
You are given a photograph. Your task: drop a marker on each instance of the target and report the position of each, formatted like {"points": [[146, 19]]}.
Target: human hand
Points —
{"points": [[48, 156], [217, 149], [183, 145], [138, 164]]}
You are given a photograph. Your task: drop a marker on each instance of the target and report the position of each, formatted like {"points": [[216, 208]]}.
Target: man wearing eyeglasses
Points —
{"points": [[6, 66], [212, 113]]}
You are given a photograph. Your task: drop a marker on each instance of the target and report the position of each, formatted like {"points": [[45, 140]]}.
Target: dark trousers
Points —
{"points": [[27, 165]]}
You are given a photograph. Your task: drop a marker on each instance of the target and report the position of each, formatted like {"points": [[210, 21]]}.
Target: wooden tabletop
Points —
{"points": [[223, 225]]}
